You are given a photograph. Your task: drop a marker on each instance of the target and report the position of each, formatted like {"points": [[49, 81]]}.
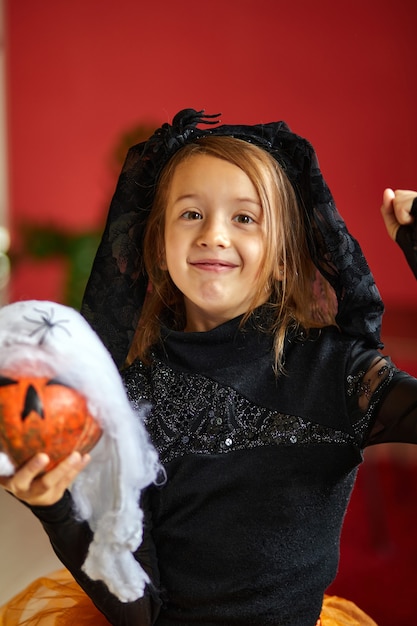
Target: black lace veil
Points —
{"points": [[117, 285]]}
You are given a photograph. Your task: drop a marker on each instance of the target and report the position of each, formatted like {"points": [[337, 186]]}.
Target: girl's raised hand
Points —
{"points": [[395, 209], [36, 488]]}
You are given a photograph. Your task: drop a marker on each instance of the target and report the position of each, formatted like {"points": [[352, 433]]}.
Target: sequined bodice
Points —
{"points": [[193, 414]]}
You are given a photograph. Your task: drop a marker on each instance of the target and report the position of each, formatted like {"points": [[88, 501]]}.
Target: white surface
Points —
{"points": [[25, 551]]}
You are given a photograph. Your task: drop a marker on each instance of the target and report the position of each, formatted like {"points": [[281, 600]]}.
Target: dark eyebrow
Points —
{"points": [[186, 196], [251, 200]]}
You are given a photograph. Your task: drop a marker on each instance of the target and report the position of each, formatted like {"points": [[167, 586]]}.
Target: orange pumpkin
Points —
{"points": [[40, 414]]}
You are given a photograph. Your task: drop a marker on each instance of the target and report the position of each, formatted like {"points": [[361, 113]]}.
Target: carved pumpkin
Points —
{"points": [[43, 415]]}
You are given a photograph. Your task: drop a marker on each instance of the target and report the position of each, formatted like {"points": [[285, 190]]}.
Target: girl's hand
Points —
{"points": [[395, 209], [37, 489]]}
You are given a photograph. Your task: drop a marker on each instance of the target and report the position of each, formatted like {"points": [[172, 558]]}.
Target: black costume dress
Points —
{"points": [[245, 529]]}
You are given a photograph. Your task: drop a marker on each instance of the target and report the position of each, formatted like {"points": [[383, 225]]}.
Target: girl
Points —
{"points": [[258, 349]]}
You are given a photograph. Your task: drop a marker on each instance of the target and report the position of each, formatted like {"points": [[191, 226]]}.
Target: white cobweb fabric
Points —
{"points": [[43, 338]]}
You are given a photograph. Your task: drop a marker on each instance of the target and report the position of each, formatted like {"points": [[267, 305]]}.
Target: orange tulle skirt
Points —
{"points": [[57, 600]]}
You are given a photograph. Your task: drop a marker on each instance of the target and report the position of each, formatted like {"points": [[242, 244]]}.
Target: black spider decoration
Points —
{"points": [[46, 324]]}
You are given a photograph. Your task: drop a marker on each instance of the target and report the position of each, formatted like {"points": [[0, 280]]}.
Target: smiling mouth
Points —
{"points": [[213, 265]]}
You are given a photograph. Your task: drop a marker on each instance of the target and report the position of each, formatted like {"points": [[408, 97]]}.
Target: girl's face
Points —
{"points": [[214, 240]]}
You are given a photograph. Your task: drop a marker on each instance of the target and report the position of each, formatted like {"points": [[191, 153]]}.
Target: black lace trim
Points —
{"points": [[118, 283], [358, 386]]}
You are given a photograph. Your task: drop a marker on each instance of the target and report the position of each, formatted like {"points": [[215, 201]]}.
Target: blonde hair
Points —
{"points": [[298, 295]]}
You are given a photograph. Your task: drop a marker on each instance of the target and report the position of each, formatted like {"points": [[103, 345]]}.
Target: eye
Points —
{"points": [[191, 215], [244, 219], [5, 382]]}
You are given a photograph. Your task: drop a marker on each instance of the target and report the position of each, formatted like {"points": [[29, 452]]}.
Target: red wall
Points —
{"points": [[82, 72]]}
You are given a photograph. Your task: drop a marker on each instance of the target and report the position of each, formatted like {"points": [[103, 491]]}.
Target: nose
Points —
{"points": [[32, 403], [214, 233]]}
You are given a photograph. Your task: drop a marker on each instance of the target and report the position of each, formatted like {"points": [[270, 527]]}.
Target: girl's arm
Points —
{"points": [[49, 499], [395, 418], [70, 540], [399, 211], [394, 393], [382, 399]]}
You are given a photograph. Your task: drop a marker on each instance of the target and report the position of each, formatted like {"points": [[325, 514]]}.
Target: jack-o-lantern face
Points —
{"points": [[43, 415]]}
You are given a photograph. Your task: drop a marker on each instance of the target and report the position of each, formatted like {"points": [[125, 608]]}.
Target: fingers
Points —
{"points": [[395, 209], [36, 488], [387, 200], [402, 205], [22, 479], [388, 213]]}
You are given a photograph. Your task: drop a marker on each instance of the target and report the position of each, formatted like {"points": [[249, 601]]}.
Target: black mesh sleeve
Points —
{"points": [[382, 399], [395, 418], [407, 240], [70, 539]]}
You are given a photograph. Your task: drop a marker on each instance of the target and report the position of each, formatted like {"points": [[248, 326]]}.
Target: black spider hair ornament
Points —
{"points": [[117, 286]]}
